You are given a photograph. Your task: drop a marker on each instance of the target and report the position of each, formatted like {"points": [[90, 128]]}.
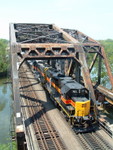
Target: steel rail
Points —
{"points": [[47, 136], [102, 142], [36, 124], [42, 142], [92, 141]]}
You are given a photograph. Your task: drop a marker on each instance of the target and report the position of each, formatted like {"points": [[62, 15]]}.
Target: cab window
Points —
{"points": [[74, 93]]}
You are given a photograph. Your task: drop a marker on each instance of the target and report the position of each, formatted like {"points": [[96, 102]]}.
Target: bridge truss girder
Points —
{"points": [[47, 41]]}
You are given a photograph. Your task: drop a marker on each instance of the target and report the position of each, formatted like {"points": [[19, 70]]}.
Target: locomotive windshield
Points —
{"points": [[79, 93]]}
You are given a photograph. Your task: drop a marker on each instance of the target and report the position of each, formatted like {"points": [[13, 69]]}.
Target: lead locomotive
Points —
{"points": [[72, 97]]}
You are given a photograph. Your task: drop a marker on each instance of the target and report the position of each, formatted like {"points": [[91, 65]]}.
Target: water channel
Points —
{"points": [[5, 115]]}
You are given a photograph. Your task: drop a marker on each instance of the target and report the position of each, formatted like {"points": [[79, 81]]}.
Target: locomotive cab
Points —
{"points": [[81, 99]]}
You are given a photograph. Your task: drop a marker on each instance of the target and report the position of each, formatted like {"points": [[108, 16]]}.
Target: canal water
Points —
{"points": [[5, 113]]}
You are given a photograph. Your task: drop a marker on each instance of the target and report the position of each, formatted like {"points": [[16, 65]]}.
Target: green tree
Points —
{"points": [[3, 55]]}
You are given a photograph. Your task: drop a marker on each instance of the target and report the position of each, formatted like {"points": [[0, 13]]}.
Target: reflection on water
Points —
{"points": [[2, 105], [5, 111], [4, 89]]}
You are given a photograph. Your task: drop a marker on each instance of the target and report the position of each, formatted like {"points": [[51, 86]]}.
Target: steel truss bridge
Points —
{"points": [[47, 41]]}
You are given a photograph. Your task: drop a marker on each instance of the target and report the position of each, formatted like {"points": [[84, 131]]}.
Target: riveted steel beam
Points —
{"points": [[66, 36], [107, 66], [93, 62], [16, 95]]}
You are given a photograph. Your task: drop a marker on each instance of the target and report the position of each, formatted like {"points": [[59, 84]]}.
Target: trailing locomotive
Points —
{"points": [[72, 97]]}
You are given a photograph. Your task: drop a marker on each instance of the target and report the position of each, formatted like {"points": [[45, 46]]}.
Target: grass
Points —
{"points": [[9, 146]]}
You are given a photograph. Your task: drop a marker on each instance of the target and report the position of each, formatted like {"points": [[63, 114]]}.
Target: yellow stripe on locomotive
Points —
{"points": [[82, 109]]}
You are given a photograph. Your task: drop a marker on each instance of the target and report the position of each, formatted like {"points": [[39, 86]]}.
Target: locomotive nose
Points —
{"points": [[82, 108]]}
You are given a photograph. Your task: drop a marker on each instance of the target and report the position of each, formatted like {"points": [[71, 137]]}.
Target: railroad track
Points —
{"points": [[45, 133], [93, 141]]}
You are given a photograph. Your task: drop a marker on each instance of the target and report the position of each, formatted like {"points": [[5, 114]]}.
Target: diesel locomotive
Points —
{"points": [[70, 96]]}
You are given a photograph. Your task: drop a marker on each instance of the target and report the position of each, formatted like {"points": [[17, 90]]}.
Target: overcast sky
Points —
{"points": [[92, 17]]}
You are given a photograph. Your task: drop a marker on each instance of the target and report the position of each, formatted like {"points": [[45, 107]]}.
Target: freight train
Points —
{"points": [[71, 97]]}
